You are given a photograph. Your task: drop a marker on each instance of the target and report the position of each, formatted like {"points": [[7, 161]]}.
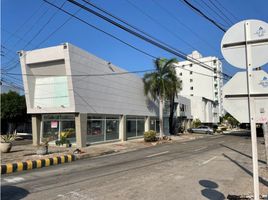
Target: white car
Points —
{"points": [[202, 129]]}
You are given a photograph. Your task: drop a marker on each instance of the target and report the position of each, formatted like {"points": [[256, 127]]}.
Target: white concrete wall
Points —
{"points": [[110, 94]]}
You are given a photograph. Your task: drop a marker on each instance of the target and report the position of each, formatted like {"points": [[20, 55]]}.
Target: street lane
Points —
{"points": [[129, 175]]}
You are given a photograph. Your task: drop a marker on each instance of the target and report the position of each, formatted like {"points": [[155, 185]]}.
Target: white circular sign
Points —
{"points": [[233, 44]]}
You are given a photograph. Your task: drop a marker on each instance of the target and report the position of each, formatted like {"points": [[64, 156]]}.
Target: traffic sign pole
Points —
{"points": [[251, 111]]}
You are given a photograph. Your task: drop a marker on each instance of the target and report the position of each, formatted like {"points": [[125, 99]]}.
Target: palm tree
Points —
{"points": [[162, 84]]}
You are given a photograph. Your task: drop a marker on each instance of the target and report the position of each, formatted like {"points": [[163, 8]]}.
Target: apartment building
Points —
{"points": [[202, 86]]}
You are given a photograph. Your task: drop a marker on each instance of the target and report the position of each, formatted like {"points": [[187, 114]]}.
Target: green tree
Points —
{"points": [[13, 110], [162, 84]]}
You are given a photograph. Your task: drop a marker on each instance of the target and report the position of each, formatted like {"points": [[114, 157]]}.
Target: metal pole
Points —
{"points": [[252, 113], [265, 135]]}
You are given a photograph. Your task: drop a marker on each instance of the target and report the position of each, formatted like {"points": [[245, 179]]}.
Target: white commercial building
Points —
{"points": [[202, 86], [68, 88]]}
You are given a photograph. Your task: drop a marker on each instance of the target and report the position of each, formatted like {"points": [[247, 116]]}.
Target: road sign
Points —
{"points": [[235, 96], [245, 45], [234, 44]]}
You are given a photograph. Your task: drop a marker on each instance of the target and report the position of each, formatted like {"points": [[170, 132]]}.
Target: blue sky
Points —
{"points": [[170, 21]]}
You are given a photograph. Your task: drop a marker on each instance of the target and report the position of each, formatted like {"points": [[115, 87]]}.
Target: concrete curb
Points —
{"points": [[33, 164]]}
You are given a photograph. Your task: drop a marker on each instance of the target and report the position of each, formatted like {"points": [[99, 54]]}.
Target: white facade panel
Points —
{"points": [[66, 79], [109, 94]]}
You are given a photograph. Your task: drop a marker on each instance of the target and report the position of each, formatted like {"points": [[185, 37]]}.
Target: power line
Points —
{"points": [[234, 17], [114, 37], [203, 15], [109, 74], [42, 28], [82, 75], [183, 24], [164, 47], [27, 20], [223, 14], [163, 26], [217, 14]]}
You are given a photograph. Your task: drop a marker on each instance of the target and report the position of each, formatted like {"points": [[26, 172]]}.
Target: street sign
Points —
{"points": [[234, 44], [235, 96], [245, 45]]}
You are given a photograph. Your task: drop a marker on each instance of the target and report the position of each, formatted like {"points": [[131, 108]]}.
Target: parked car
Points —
{"points": [[201, 129]]}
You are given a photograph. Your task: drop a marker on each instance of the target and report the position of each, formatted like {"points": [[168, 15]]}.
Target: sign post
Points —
{"points": [[251, 112], [245, 45]]}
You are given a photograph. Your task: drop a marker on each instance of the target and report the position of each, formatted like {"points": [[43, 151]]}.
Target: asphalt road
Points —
{"points": [[208, 168]]}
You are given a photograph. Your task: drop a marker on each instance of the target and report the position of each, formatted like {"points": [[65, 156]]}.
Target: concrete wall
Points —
{"points": [[44, 66], [110, 94]]}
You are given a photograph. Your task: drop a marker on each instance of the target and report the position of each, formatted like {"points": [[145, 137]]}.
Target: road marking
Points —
{"points": [[221, 142], [200, 149], [207, 161], [157, 154], [14, 180]]}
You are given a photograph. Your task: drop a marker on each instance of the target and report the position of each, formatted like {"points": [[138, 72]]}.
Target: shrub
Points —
{"points": [[8, 137], [196, 123], [150, 136]]}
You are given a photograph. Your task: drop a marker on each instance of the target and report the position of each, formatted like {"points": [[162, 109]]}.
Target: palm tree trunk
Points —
{"points": [[161, 124], [171, 114]]}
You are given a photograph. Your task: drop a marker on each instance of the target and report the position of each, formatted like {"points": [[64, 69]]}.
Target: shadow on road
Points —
{"points": [[246, 155], [261, 180], [12, 192], [210, 191]]}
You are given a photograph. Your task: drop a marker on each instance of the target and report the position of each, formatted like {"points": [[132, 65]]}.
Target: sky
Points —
{"points": [[33, 24]]}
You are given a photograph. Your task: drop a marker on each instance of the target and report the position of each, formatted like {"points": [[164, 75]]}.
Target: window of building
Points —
{"points": [[191, 65], [54, 125], [191, 80], [191, 72], [191, 88], [51, 92], [154, 124], [102, 128], [135, 126], [191, 95], [181, 74], [112, 128]]}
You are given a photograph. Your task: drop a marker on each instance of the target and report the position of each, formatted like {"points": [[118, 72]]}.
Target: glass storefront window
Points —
{"points": [[51, 129], [131, 128], [95, 130], [152, 124], [112, 129], [51, 117], [140, 127], [102, 128], [135, 127], [69, 128], [53, 125]]}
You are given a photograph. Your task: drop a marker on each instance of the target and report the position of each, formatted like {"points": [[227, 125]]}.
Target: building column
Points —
{"points": [[81, 130], [122, 128], [147, 123], [36, 129]]}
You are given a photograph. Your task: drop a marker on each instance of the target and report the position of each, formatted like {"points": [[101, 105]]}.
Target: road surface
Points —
{"points": [[208, 168]]}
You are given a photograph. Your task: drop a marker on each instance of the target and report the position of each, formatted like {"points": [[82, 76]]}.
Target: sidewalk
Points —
{"points": [[21, 154]]}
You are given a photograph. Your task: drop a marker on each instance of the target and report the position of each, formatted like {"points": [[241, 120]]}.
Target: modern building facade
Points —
{"points": [[202, 87], [68, 88]]}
